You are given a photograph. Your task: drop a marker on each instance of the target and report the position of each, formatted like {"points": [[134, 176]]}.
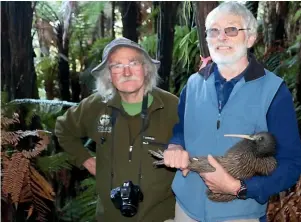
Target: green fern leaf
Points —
{"points": [[54, 163], [83, 207]]}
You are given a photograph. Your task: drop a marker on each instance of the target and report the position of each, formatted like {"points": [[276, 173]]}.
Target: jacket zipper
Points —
{"points": [[130, 153]]}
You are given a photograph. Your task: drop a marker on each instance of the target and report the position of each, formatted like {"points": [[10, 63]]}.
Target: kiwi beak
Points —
{"points": [[240, 136]]}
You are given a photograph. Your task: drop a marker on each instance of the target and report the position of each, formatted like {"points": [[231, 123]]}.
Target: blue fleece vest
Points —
{"points": [[244, 113]]}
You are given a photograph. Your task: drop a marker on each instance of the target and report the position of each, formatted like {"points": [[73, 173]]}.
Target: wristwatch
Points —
{"points": [[242, 192]]}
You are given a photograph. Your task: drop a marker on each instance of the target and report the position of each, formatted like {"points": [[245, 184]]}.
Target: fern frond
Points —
{"points": [[13, 138], [43, 102], [88, 183], [54, 163], [26, 194], [83, 207], [37, 133], [40, 146], [35, 190], [9, 138], [44, 189], [21, 182], [5, 122], [13, 176]]}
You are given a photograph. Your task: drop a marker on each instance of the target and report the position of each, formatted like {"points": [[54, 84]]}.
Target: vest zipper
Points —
{"points": [[218, 123]]}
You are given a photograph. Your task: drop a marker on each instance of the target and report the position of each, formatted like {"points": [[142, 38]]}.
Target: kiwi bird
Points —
{"points": [[253, 155]]}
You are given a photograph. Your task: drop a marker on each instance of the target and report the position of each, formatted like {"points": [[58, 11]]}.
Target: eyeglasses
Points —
{"points": [[229, 31], [119, 68]]}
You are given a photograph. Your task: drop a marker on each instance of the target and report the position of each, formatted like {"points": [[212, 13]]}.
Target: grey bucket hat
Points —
{"points": [[113, 45]]}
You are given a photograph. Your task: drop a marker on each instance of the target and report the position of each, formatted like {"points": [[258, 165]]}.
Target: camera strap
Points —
{"points": [[143, 128], [114, 116]]}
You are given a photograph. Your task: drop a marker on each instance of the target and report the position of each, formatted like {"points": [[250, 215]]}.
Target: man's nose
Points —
{"points": [[127, 71], [222, 35]]}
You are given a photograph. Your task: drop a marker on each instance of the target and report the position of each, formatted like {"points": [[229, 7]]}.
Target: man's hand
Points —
{"points": [[220, 181], [176, 157], [90, 165]]}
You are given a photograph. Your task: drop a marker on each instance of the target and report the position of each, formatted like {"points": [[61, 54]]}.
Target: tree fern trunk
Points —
{"points": [[131, 19], [5, 52], [63, 74], [102, 24], [75, 86], [113, 20], [202, 9], [275, 14], [18, 70], [155, 22], [168, 12]]}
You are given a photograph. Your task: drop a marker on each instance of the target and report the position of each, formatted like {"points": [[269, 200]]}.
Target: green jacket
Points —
{"points": [[88, 120]]}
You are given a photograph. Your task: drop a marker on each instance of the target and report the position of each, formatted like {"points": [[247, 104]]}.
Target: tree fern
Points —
{"points": [[46, 110], [21, 182], [83, 207], [54, 163]]}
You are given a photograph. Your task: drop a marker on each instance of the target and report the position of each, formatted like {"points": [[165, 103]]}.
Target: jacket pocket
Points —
{"points": [[153, 142]]}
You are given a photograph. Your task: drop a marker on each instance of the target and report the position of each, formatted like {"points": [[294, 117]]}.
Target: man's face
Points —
{"points": [[128, 78], [228, 49]]}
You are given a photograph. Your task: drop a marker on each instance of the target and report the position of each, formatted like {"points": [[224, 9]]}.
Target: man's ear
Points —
{"points": [[251, 41]]}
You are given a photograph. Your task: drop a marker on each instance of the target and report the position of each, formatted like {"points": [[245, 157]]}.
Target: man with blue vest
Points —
{"points": [[233, 95]]}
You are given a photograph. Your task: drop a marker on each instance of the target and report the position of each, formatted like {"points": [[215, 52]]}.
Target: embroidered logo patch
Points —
{"points": [[104, 124]]}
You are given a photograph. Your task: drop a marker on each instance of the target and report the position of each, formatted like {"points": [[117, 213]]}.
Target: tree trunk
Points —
{"points": [[5, 52], [282, 14], [63, 73], [275, 14], [75, 86], [130, 12], [155, 8], [49, 88], [202, 9], [168, 12], [102, 24], [18, 69], [113, 19], [191, 17], [293, 28]]}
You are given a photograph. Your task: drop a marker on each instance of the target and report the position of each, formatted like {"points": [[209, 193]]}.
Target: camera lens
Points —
{"points": [[126, 198], [128, 210]]}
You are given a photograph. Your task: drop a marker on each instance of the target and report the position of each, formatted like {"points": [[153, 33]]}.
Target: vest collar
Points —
{"points": [[253, 71]]}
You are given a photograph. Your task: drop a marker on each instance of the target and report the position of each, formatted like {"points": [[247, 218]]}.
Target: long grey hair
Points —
{"points": [[107, 90]]}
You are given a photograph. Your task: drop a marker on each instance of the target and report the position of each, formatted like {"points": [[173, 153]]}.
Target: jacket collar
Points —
{"points": [[253, 71], [157, 102]]}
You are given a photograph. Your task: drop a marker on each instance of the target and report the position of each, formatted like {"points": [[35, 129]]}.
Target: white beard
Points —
{"points": [[221, 59]]}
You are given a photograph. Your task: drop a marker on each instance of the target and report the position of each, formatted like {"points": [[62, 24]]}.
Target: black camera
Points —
{"points": [[126, 198]]}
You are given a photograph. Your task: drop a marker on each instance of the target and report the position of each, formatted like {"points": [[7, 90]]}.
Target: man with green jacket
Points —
{"points": [[127, 117]]}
